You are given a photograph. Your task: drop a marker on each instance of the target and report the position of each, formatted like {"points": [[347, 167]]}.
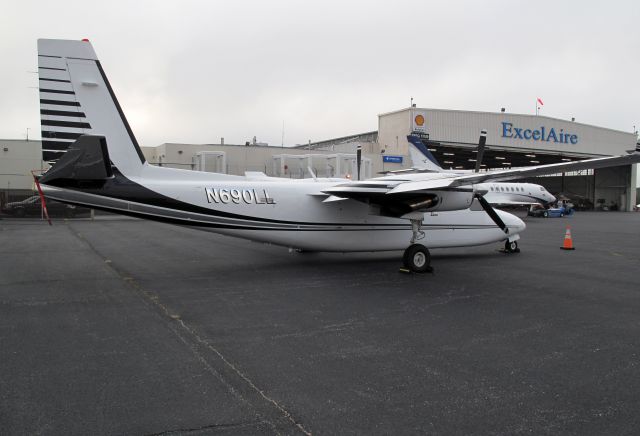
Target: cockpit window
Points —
{"points": [[542, 188]]}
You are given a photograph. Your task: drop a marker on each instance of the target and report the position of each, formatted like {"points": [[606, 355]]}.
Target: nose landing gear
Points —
{"points": [[511, 247]]}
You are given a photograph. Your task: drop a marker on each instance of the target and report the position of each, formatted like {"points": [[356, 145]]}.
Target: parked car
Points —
{"points": [[32, 207], [552, 212]]}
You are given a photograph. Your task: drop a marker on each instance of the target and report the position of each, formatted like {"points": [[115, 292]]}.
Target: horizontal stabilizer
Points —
{"points": [[86, 159]]}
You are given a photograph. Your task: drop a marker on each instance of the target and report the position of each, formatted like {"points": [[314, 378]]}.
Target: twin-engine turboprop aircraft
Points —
{"points": [[97, 163]]}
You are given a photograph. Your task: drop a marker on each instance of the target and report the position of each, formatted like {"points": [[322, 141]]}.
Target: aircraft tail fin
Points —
{"points": [[421, 157], [76, 99]]}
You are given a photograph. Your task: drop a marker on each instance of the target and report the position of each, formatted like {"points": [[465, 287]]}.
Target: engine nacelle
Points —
{"points": [[449, 200]]}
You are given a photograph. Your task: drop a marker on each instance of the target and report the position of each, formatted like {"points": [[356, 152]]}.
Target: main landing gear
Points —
{"points": [[416, 258]]}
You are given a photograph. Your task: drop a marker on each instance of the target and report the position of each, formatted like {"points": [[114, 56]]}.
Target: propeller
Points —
{"points": [[358, 159], [480, 195], [491, 212], [481, 143]]}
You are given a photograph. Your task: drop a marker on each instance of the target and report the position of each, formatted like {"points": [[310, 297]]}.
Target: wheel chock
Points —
{"points": [[408, 271]]}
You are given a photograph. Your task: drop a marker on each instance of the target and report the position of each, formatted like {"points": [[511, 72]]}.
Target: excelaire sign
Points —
{"points": [[541, 134]]}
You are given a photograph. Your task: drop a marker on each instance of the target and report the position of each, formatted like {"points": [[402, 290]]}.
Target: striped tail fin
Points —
{"points": [[76, 99]]}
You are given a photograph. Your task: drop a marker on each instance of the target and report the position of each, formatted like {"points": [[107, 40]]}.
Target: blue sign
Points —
{"points": [[392, 159], [542, 134]]}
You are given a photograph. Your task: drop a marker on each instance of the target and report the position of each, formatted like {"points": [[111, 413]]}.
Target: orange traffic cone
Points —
{"points": [[568, 242]]}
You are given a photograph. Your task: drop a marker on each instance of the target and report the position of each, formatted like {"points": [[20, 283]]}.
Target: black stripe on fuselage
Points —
{"points": [[51, 68], [62, 113], [49, 56], [122, 117], [122, 188], [213, 225], [54, 80], [57, 123], [60, 135], [57, 91], [59, 102], [341, 227]]}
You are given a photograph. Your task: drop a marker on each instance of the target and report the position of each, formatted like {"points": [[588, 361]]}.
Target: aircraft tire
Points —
{"points": [[511, 247], [545, 214], [417, 258]]}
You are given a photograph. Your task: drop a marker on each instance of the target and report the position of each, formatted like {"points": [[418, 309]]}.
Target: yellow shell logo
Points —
{"points": [[419, 119]]}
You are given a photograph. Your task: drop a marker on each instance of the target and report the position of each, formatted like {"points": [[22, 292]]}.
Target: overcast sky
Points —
{"points": [[195, 71]]}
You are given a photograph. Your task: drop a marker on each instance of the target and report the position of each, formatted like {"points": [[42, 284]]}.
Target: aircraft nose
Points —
{"points": [[552, 199], [515, 224], [520, 225]]}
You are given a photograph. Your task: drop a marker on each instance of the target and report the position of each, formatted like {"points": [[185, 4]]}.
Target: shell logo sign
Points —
{"points": [[418, 122]]}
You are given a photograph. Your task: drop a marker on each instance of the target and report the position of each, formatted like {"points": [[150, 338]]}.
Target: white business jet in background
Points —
{"points": [[496, 193], [97, 163]]}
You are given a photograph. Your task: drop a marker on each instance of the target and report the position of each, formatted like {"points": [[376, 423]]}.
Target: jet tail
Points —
{"points": [[76, 99], [421, 157]]}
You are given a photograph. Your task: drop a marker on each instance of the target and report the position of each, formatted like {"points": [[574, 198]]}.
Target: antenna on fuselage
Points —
{"points": [[358, 159]]}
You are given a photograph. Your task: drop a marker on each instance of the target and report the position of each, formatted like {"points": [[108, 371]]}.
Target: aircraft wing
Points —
{"points": [[420, 184], [408, 171], [515, 173]]}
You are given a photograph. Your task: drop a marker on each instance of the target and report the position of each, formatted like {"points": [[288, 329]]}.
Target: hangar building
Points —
{"points": [[18, 157], [513, 140]]}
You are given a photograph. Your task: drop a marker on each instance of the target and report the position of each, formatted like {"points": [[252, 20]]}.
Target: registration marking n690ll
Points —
{"points": [[237, 196]]}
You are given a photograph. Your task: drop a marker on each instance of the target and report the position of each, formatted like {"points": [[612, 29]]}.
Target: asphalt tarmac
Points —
{"points": [[121, 326]]}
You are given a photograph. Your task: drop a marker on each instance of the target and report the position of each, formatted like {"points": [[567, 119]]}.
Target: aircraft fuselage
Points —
{"points": [[285, 212]]}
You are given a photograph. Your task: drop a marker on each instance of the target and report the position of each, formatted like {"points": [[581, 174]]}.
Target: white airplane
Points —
{"points": [[98, 164], [497, 194]]}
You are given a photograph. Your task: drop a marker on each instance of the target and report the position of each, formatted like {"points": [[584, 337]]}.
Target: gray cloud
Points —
{"points": [[194, 71]]}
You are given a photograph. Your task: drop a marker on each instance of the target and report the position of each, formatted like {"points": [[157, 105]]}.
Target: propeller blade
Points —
{"points": [[492, 213], [359, 159], [481, 142]]}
